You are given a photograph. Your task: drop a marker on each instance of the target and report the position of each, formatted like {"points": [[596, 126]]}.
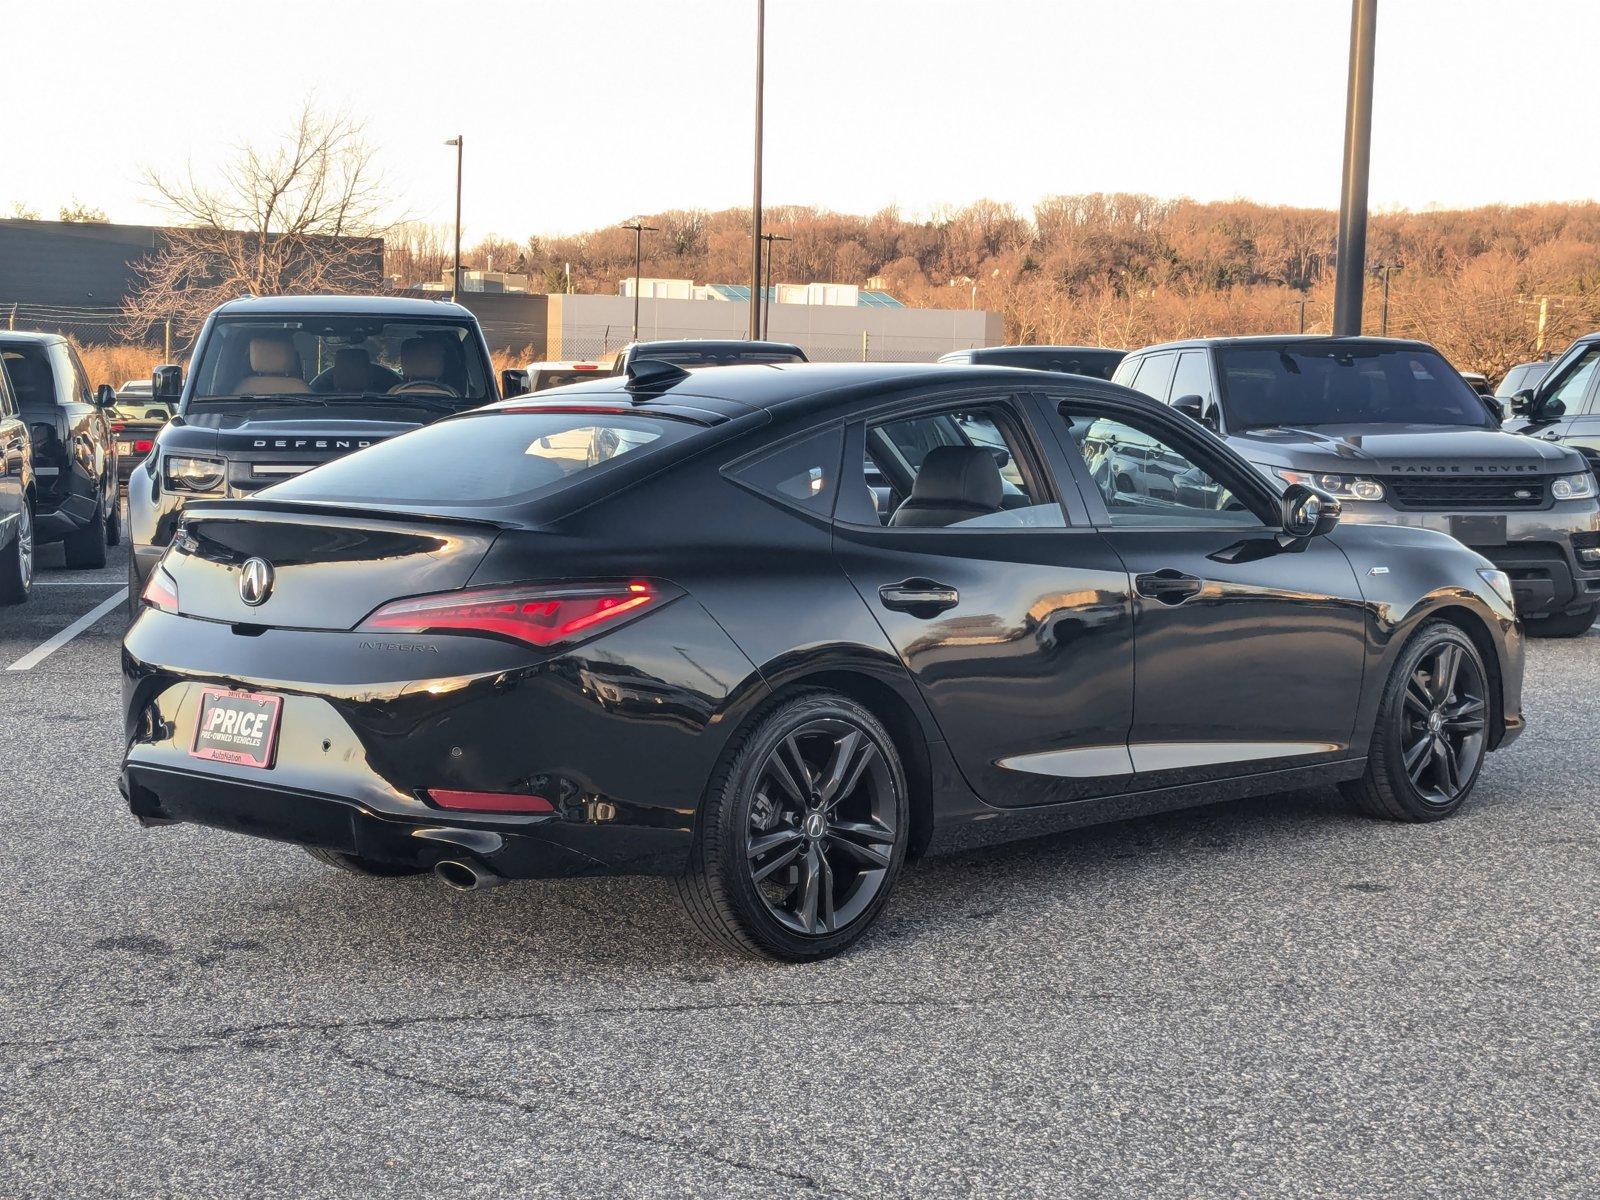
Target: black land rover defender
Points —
{"points": [[1392, 430], [282, 384]]}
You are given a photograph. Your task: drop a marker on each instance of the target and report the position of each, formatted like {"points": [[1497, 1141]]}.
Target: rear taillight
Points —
{"points": [[143, 446], [117, 427], [161, 591], [498, 802], [542, 615]]}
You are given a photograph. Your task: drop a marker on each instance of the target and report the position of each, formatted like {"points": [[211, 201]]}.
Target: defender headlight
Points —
{"points": [[1573, 487], [1342, 487], [1500, 582], [186, 474]]}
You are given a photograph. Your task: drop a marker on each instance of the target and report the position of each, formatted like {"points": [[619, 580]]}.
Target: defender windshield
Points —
{"points": [[1304, 384], [326, 360]]}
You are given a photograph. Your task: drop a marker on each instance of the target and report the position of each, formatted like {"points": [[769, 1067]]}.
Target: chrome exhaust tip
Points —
{"points": [[466, 876]]}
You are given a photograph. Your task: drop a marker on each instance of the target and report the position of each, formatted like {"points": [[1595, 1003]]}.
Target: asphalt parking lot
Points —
{"points": [[1269, 998]]}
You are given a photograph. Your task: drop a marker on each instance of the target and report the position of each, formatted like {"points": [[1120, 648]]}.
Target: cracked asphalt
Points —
{"points": [[1268, 998]]}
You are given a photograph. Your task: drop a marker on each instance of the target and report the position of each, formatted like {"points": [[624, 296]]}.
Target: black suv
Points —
{"points": [[280, 385], [74, 449], [1391, 429]]}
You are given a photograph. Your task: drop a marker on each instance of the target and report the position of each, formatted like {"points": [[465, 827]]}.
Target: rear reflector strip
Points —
{"points": [[505, 802]]}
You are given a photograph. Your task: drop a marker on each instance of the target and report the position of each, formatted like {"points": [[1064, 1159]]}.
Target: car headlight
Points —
{"points": [[1500, 582], [1573, 487], [194, 474], [1342, 487]]}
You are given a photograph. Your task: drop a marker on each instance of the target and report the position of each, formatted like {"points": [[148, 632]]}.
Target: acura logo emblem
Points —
{"points": [[255, 581]]}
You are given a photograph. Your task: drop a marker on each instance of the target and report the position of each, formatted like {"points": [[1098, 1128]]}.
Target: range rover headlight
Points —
{"points": [[185, 474], [1342, 487], [1573, 487], [1500, 583]]}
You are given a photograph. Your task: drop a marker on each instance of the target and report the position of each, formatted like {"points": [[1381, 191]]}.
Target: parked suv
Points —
{"points": [[16, 498], [1094, 361], [136, 418], [1563, 404], [281, 384], [1392, 430], [75, 499]]}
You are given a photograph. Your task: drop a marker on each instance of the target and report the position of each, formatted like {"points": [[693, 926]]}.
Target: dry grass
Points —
{"points": [[116, 364]]}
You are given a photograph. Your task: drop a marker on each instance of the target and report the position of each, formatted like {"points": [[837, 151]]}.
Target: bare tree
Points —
{"points": [[295, 216], [83, 214]]}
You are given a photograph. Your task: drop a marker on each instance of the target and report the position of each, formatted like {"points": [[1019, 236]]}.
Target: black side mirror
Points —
{"points": [[105, 396], [1002, 458], [166, 383], [1549, 410], [513, 383], [1194, 407], [1305, 512], [1522, 401]]}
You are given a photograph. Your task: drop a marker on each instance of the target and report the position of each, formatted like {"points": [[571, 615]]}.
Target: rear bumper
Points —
{"points": [[547, 847]]}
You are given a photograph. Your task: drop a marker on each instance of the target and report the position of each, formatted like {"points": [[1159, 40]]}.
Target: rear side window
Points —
{"points": [[804, 474], [487, 460], [31, 376], [1154, 377]]}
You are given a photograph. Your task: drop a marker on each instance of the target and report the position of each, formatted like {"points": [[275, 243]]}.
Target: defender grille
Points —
{"points": [[1455, 493]]}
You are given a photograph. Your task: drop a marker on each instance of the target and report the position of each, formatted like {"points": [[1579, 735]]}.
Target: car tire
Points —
{"points": [[16, 561], [1564, 625], [835, 833], [85, 548], [114, 516], [1432, 730], [356, 865]]}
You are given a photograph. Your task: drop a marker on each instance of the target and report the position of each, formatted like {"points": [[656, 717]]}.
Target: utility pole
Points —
{"points": [[1385, 270], [755, 198], [1349, 282], [455, 276], [639, 230], [766, 292]]}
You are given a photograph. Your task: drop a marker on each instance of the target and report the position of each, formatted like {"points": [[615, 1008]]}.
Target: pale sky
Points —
{"points": [[578, 113]]}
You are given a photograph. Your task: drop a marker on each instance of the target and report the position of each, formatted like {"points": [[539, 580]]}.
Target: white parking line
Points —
{"points": [[39, 653]]}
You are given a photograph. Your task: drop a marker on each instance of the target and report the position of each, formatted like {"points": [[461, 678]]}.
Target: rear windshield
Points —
{"points": [[486, 460], [1299, 385]]}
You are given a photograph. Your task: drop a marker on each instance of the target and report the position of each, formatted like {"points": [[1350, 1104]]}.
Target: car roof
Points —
{"points": [[795, 389], [30, 337], [1283, 339], [362, 306], [713, 344]]}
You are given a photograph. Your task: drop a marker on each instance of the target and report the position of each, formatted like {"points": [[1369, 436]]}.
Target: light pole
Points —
{"points": [[639, 230], [766, 298], [1348, 284], [1384, 270], [455, 276], [755, 198]]}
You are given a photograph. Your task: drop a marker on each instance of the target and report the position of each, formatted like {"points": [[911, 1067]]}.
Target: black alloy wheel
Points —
{"points": [[1432, 731], [803, 834]]}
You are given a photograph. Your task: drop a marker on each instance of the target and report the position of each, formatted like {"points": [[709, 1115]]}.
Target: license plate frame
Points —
{"points": [[256, 747], [1474, 530]]}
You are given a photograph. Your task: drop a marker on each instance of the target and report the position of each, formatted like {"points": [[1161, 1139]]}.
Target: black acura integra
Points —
{"points": [[661, 624]]}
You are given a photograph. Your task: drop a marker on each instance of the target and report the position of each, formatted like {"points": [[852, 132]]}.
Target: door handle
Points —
{"points": [[919, 597], [1167, 586]]}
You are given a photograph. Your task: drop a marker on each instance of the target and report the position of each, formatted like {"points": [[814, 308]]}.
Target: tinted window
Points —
{"points": [[342, 357], [695, 356], [485, 460], [1145, 480], [804, 473], [979, 474], [1193, 376], [1097, 364], [31, 377], [1125, 370], [1305, 384], [1155, 374]]}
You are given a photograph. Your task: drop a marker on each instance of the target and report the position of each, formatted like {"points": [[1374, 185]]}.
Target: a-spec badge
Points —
{"points": [[255, 581]]}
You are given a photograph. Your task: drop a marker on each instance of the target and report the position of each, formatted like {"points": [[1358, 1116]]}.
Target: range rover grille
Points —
{"points": [[1450, 492]]}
